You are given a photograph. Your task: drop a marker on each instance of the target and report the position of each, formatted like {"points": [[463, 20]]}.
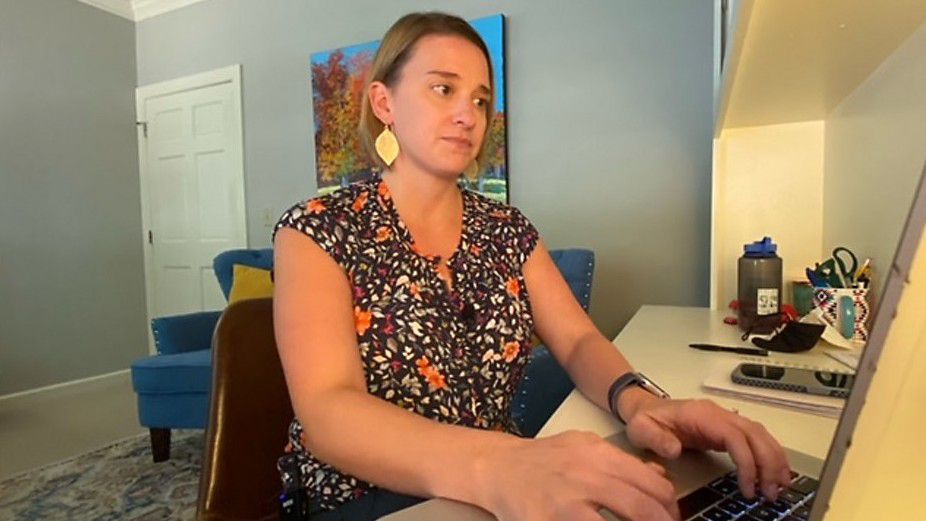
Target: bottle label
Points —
{"points": [[767, 301]]}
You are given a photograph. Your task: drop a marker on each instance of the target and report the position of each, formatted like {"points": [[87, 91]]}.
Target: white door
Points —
{"points": [[192, 189]]}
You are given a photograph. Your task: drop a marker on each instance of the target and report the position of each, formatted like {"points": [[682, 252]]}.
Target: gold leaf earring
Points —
{"points": [[472, 171], [387, 146]]}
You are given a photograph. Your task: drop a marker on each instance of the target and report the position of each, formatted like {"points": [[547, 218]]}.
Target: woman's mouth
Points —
{"points": [[459, 142]]}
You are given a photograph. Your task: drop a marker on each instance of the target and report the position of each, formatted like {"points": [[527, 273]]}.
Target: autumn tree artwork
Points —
{"points": [[338, 81]]}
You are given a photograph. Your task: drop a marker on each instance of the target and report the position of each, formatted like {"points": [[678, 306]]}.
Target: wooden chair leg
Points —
{"points": [[160, 444]]}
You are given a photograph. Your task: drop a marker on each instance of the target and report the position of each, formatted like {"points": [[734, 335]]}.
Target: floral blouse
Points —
{"points": [[453, 355]]}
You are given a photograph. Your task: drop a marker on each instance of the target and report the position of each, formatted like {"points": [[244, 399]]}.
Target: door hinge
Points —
{"points": [[144, 127], [150, 237]]}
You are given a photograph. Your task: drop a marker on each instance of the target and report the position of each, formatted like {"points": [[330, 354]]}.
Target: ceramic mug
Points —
{"points": [[802, 293]]}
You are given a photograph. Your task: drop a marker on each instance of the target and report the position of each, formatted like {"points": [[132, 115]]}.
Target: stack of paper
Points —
{"points": [[719, 382]]}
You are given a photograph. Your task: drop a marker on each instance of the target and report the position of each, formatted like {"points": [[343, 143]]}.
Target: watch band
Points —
{"points": [[626, 380]]}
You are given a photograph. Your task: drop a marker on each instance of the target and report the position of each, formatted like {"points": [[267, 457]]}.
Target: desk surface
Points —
{"points": [[656, 342]]}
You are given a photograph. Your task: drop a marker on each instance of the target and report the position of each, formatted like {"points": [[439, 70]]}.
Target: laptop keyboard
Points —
{"points": [[721, 500]]}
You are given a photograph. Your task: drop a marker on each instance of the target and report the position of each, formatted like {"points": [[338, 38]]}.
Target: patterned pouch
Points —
{"points": [[827, 300]]}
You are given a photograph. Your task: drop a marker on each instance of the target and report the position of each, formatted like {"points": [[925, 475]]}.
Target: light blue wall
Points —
{"points": [[609, 107], [72, 299]]}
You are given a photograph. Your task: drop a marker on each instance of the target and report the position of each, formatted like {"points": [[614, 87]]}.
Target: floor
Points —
{"points": [[52, 425]]}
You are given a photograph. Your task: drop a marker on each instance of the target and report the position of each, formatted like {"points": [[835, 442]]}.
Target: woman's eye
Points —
{"points": [[442, 89], [481, 102]]}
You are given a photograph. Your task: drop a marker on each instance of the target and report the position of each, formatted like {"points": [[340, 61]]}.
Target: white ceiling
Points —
{"points": [[137, 10], [799, 59]]}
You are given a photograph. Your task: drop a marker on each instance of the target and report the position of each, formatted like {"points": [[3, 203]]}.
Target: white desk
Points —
{"points": [[655, 341]]}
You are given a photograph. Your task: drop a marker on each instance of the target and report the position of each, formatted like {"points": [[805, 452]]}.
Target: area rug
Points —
{"points": [[116, 482]]}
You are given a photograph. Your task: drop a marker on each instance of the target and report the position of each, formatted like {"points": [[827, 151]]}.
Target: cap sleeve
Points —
{"points": [[325, 223], [525, 236]]}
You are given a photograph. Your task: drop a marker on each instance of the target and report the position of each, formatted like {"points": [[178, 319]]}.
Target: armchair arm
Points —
{"points": [[182, 333]]}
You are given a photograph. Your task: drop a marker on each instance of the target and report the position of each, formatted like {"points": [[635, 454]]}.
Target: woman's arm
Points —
{"points": [[664, 426], [590, 359]]}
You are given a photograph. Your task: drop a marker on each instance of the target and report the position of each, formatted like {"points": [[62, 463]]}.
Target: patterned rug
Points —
{"points": [[117, 482]]}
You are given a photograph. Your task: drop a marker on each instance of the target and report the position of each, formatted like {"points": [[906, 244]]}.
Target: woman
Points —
{"points": [[403, 300]]}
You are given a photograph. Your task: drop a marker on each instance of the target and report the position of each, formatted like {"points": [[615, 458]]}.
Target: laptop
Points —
{"points": [[706, 482]]}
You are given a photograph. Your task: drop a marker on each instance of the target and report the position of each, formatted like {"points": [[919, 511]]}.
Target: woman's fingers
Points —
{"points": [[657, 468], [735, 442], [618, 481], [757, 455], [770, 457], [650, 479], [645, 478], [630, 503], [646, 432], [702, 424], [590, 513]]}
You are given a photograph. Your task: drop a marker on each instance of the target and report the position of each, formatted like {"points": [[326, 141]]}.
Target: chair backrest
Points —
{"points": [[546, 384], [578, 267], [248, 418], [224, 264]]}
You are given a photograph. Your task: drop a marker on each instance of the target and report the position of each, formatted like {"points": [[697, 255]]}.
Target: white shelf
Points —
{"points": [[796, 60], [792, 67]]}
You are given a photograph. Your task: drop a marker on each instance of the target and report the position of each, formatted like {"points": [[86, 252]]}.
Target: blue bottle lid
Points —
{"points": [[763, 248]]}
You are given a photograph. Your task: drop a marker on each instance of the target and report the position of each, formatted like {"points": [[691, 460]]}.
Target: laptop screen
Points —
{"points": [[896, 282]]}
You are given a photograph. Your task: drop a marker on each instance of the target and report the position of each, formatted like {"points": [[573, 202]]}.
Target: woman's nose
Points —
{"points": [[465, 114]]}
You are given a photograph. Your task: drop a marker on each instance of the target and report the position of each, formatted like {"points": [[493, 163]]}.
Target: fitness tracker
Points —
{"points": [[626, 380]]}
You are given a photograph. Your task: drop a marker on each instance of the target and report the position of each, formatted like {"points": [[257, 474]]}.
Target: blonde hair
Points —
{"points": [[396, 50]]}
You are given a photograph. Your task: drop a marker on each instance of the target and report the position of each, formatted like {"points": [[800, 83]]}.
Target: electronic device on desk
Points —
{"points": [[823, 383]]}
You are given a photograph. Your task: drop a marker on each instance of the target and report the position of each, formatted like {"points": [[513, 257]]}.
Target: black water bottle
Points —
{"points": [[759, 287]]}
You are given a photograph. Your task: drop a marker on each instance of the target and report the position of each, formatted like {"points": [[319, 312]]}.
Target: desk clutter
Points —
{"points": [[832, 303], [838, 297], [719, 381], [840, 271], [758, 287]]}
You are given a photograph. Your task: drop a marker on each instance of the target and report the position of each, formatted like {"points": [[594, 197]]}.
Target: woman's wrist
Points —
{"points": [[631, 400], [484, 485]]}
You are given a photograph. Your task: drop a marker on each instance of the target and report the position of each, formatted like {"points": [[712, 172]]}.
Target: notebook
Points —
{"points": [[704, 480], [718, 382]]}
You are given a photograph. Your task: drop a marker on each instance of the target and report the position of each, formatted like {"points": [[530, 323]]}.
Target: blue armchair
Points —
{"points": [[173, 385]]}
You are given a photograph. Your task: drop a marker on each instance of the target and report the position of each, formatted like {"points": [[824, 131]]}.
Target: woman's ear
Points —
{"points": [[381, 101]]}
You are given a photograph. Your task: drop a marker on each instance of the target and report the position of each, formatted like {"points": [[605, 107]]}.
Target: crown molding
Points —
{"points": [[121, 8], [147, 8], [138, 10]]}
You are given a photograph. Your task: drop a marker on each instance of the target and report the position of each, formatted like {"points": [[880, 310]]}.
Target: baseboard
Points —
{"points": [[62, 385]]}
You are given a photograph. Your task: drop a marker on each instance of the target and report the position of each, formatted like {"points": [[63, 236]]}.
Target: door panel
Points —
{"points": [[195, 195]]}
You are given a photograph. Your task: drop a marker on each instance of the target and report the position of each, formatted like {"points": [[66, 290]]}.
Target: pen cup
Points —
{"points": [[833, 301]]}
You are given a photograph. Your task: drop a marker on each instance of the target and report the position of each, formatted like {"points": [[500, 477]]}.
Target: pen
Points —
{"points": [[725, 349]]}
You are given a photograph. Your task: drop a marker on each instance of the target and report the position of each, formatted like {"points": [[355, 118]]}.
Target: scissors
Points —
{"points": [[815, 279], [845, 273]]}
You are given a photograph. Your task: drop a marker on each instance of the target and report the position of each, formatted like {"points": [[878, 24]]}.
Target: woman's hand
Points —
{"points": [[571, 476], [666, 426]]}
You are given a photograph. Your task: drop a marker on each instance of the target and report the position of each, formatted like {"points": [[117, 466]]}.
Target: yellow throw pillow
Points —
{"points": [[250, 283]]}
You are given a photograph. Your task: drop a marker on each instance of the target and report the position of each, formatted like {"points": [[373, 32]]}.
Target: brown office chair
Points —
{"points": [[249, 414]]}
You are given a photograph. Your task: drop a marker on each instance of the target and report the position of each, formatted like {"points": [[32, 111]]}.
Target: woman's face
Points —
{"points": [[439, 105]]}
